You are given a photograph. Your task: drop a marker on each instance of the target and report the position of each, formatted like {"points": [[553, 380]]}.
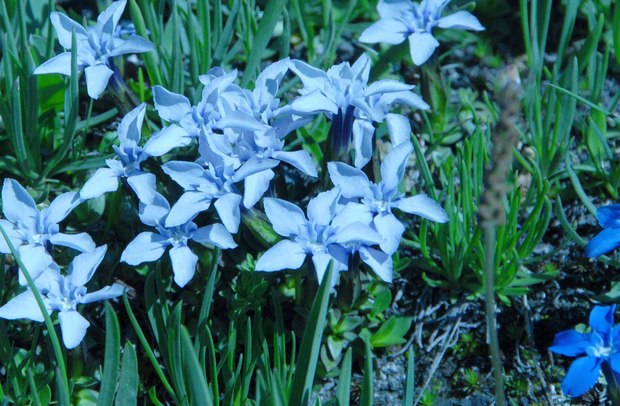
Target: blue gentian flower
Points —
{"points": [[25, 224], [344, 96], [217, 182], [188, 121], [608, 239], [149, 246], [96, 47], [600, 346], [402, 19], [63, 294], [381, 198], [130, 155], [324, 235]]}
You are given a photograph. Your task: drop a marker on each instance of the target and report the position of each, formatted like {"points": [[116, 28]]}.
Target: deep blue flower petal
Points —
{"points": [[602, 320], [570, 343], [582, 375], [603, 242], [609, 216]]}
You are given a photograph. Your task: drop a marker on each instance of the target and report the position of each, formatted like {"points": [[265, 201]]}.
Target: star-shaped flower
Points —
{"points": [[63, 294], [402, 19], [96, 47], [381, 198], [25, 224], [600, 346]]}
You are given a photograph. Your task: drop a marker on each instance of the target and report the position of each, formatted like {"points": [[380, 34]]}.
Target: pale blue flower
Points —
{"points": [[150, 246], [608, 239], [25, 224], [381, 198], [96, 47], [402, 19], [130, 155], [324, 235], [63, 294], [344, 96], [600, 346]]}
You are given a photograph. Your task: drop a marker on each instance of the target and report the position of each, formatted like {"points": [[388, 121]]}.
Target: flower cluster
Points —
{"points": [[35, 232], [403, 19], [239, 137]]}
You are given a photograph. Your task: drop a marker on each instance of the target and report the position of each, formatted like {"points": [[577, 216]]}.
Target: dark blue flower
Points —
{"points": [[594, 349], [608, 239]]}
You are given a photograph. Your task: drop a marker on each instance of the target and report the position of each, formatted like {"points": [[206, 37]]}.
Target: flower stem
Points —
{"points": [[124, 99], [613, 390]]}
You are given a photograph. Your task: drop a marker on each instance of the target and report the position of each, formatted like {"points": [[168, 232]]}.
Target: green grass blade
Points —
{"points": [[128, 385], [261, 39], [616, 32], [112, 357], [196, 379], [150, 58], [343, 393], [311, 343], [367, 392], [408, 398]]}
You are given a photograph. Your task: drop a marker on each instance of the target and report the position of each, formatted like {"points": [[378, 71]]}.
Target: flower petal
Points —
{"points": [[255, 187], [60, 63], [422, 45], [170, 106], [609, 216], [351, 181], [64, 27], [582, 375], [108, 292], [322, 208], [423, 206], [22, 306], [357, 233], [299, 159], [227, 206], [154, 212], [60, 207], [83, 266], [363, 132], [391, 231], [214, 234], [602, 320], [285, 217], [570, 343], [388, 30], [285, 254], [132, 45], [146, 247], [36, 261], [603, 242], [13, 234], [380, 262], [104, 180], [16, 202], [81, 241], [183, 264], [393, 168], [394, 8], [399, 128], [187, 207], [97, 78], [314, 102], [461, 19], [73, 327], [189, 175], [167, 139]]}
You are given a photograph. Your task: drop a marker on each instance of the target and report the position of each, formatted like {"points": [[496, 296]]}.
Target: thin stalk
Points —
{"points": [[613, 390], [489, 291]]}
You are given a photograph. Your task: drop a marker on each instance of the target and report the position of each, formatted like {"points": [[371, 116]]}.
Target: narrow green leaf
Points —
{"points": [[196, 379], [616, 32], [111, 362], [366, 394], [150, 58], [264, 32], [344, 381], [408, 398], [311, 343], [128, 385]]}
